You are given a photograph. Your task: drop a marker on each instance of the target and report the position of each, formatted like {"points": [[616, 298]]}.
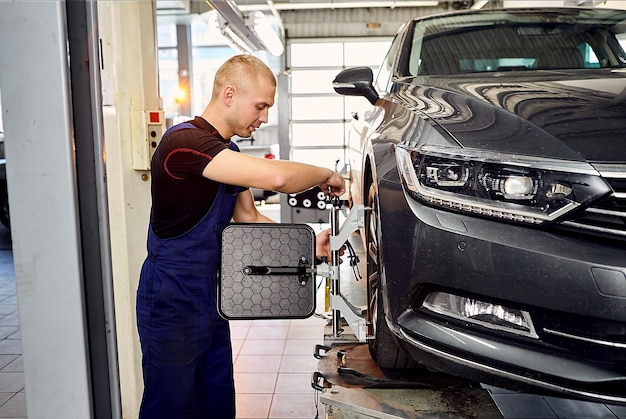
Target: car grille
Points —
{"points": [[583, 337], [608, 217]]}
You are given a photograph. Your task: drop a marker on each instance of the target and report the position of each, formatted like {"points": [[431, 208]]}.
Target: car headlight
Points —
{"points": [[509, 187]]}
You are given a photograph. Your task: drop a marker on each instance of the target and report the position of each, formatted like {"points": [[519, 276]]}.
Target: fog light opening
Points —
{"points": [[492, 316]]}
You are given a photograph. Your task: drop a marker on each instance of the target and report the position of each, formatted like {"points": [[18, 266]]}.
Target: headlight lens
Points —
{"points": [[513, 188]]}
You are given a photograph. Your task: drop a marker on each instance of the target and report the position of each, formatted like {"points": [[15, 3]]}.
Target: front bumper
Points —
{"points": [[573, 287]]}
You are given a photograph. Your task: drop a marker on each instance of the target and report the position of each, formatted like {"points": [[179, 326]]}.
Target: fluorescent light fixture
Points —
{"points": [[235, 41], [260, 24], [218, 24], [248, 33]]}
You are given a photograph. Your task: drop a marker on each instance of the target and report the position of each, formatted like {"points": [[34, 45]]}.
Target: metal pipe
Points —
{"points": [[335, 285]]}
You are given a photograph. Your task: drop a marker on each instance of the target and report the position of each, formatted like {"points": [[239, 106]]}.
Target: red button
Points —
{"points": [[154, 117]]}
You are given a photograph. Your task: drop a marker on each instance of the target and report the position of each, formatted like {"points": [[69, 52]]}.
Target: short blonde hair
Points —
{"points": [[239, 68]]}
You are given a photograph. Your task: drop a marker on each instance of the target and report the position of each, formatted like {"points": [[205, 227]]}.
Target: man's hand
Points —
{"points": [[335, 182], [322, 245]]}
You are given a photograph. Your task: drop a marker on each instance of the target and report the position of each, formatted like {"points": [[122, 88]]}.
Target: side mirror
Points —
{"points": [[357, 81]]}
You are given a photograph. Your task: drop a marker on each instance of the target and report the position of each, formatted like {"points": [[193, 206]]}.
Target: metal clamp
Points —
{"points": [[318, 382], [316, 352]]}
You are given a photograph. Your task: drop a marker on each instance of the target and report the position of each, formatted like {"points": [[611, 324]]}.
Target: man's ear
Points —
{"points": [[228, 94]]}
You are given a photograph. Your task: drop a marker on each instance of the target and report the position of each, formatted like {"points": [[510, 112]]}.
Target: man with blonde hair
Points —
{"points": [[199, 184]]}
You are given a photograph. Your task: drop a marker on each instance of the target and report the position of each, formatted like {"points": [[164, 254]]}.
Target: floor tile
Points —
{"points": [[253, 406], [258, 363], [6, 360], [576, 409], [523, 406], [240, 323], [236, 346], [11, 382], [14, 407], [10, 320], [289, 383], [619, 411], [8, 308], [301, 347], [298, 363], [293, 406], [4, 397], [270, 323], [306, 333], [17, 365], [255, 382], [267, 333], [8, 347], [268, 347], [238, 332], [15, 335]]}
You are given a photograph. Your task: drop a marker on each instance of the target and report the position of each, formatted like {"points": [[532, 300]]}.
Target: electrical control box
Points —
{"points": [[150, 126]]}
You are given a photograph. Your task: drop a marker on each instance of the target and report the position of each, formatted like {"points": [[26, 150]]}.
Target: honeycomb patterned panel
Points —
{"points": [[259, 295]]}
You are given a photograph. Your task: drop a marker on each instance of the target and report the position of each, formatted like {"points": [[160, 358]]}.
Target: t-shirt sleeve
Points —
{"points": [[189, 153]]}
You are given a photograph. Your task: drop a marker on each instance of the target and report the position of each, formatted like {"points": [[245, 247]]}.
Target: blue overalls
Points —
{"points": [[187, 354]]}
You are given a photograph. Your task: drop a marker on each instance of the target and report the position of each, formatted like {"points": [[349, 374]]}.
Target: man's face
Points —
{"points": [[252, 102]]}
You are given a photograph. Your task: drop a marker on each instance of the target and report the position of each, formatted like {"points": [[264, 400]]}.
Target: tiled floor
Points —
{"points": [[12, 395], [273, 365]]}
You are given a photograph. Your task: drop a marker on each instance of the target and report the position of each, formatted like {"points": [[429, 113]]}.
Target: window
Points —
{"points": [[499, 42], [319, 116]]}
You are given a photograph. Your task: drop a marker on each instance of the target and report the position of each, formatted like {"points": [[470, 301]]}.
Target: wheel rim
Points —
{"points": [[372, 262]]}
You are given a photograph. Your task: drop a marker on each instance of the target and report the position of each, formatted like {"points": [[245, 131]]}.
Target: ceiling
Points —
{"points": [[302, 19], [320, 18], [199, 6]]}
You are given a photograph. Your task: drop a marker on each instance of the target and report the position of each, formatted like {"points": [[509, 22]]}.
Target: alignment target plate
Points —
{"points": [[266, 271]]}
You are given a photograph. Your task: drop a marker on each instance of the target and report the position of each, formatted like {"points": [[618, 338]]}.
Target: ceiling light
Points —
{"points": [[260, 24], [249, 33], [233, 40]]}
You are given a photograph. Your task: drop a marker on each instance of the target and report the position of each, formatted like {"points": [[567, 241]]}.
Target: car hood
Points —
{"points": [[573, 115]]}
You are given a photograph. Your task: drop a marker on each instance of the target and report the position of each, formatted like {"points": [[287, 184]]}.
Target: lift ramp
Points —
{"points": [[352, 385]]}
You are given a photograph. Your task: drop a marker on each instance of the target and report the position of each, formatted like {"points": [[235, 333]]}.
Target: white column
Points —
{"points": [[130, 88]]}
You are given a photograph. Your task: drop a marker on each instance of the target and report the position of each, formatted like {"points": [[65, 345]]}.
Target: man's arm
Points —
{"points": [[235, 168], [247, 212]]}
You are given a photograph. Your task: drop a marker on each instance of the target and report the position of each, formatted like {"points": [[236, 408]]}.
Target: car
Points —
{"points": [[491, 163]]}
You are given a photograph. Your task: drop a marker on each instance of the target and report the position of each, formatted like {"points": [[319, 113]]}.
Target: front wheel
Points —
{"points": [[382, 345]]}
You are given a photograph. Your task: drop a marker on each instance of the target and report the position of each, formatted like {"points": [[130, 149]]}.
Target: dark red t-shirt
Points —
{"points": [[181, 196]]}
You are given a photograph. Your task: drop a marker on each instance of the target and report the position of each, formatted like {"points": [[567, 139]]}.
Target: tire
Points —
{"points": [[382, 345]]}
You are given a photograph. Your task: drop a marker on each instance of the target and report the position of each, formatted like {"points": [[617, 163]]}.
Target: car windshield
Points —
{"points": [[518, 40]]}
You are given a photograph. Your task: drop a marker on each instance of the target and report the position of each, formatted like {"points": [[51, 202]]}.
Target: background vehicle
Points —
{"points": [[494, 164]]}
